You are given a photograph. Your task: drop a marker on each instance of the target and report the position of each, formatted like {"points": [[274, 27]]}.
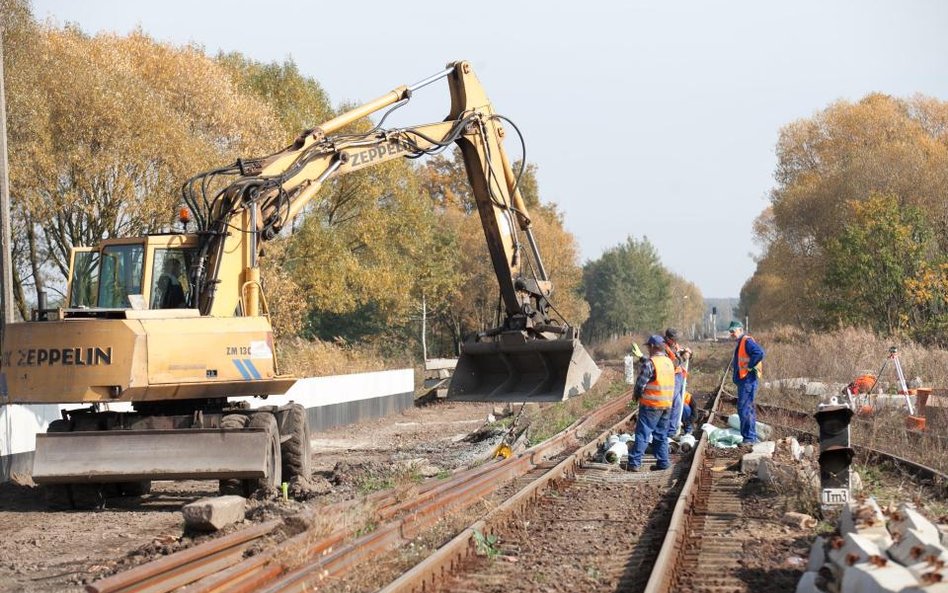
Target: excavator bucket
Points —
{"points": [[514, 369]]}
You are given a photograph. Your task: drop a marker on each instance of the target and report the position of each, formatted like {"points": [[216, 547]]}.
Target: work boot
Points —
{"points": [[635, 468], [658, 468]]}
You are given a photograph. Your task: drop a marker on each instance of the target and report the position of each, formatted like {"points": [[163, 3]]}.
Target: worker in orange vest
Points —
{"points": [[747, 364], [654, 389], [678, 354]]}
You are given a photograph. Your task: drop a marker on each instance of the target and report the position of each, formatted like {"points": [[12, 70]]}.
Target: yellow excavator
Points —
{"points": [[177, 323]]}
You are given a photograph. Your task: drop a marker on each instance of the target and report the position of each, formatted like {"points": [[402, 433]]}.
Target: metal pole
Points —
{"points": [[6, 264]]}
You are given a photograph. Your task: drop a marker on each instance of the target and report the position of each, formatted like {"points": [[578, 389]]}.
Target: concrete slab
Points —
{"points": [[916, 546], [817, 554], [866, 519], [767, 447], [807, 583], [856, 549], [909, 518], [930, 571], [872, 578], [932, 588], [210, 514]]}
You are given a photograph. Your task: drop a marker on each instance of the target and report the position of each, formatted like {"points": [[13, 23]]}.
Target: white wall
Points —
{"points": [[19, 424]]}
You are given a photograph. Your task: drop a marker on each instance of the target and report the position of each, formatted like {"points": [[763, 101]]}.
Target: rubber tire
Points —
{"points": [[294, 442], [140, 488], [270, 483], [231, 485]]}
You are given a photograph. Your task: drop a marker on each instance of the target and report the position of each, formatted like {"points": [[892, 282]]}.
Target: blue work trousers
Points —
{"points": [[746, 391], [687, 413], [676, 404], [651, 421]]}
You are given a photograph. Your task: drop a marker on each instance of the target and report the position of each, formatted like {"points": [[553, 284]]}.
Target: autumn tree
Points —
{"points": [[847, 153], [105, 129], [870, 262]]}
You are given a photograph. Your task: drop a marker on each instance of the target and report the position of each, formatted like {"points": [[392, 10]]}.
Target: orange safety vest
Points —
{"points": [[743, 358], [687, 398], [673, 356], [660, 391]]}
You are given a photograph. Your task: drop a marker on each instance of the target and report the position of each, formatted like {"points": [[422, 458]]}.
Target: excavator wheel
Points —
{"points": [[140, 488], [233, 486], [271, 483], [294, 437]]}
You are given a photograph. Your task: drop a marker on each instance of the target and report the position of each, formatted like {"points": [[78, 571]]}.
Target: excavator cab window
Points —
{"points": [[122, 270], [84, 285], [170, 288]]}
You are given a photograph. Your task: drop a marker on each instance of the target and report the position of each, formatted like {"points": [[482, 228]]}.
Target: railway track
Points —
{"points": [[555, 520], [308, 558]]}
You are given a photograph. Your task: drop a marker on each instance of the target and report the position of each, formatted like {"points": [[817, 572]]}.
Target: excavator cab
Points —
{"points": [[143, 273]]}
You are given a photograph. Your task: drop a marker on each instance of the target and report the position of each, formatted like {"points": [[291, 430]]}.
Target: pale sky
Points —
{"points": [[644, 118]]}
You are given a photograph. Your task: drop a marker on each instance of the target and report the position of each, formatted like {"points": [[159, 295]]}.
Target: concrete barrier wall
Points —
{"points": [[330, 401]]}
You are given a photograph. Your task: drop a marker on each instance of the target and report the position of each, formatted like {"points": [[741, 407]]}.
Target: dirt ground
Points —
{"points": [[45, 551]]}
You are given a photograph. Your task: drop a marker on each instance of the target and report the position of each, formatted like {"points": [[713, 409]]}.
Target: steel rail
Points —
{"points": [[673, 550], [425, 575], [665, 564], [342, 560], [185, 566], [202, 574]]}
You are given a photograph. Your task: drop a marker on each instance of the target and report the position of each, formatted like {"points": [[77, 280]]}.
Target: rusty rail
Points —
{"points": [[425, 575], [295, 563], [185, 566]]}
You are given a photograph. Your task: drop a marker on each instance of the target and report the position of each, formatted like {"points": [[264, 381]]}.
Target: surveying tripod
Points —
{"points": [[903, 387]]}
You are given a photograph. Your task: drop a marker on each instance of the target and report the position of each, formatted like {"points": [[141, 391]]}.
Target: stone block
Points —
{"points": [[941, 587], [866, 519], [767, 447], [916, 546], [751, 461], [796, 451], [807, 583], [930, 571], [809, 451], [817, 554], [855, 482], [873, 577], [908, 518], [856, 549], [210, 514]]}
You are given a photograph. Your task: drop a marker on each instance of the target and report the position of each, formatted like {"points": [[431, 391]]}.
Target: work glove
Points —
{"points": [[636, 351], [686, 354]]}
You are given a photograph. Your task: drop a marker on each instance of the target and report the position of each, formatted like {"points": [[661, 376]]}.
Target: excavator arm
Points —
{"points": [[529, 356]]}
